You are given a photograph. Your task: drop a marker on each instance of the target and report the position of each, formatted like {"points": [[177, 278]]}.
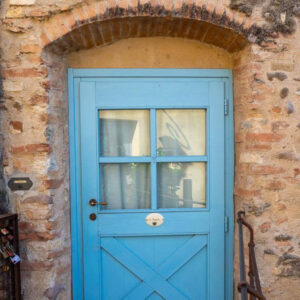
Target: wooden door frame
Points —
{"points": [[74, 77]]}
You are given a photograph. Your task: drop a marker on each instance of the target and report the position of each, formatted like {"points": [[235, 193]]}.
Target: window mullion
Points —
{"points": [[153, 158]]}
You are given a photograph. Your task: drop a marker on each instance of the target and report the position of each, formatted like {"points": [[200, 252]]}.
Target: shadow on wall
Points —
{"points": [[3, 191]]}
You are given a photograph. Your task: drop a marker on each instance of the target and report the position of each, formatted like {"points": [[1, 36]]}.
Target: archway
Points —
{"points": [[103, 23]]}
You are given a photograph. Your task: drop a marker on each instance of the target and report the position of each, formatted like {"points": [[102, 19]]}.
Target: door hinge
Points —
{"points": [[226, 107], [226, 224]]}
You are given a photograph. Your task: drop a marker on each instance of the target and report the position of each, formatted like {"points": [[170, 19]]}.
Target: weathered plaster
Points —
{"points": [[156, 52]]}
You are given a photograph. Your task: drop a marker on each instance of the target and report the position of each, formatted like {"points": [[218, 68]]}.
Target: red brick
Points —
{"points": [[37, 148], [246, 193], [26, 72], [259, 147], [53, 183], [264, 137], [276, 109], [276, 185], [37, 236], [17, 150], [266, 169], [16, 125], [30, 48], [30, 148]]}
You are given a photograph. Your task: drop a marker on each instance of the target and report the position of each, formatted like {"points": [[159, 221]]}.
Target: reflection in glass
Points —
{"points": [[125, 186], [181, 132], [181, 185], [124, 132]]}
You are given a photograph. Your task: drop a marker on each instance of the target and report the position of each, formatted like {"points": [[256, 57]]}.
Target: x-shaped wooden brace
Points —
{"points": [[154, 280]]}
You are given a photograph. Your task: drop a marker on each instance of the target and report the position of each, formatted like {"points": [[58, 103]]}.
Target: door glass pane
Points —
{"points": [[181, 185], [125, 186], [124, 132], [181, 132]]}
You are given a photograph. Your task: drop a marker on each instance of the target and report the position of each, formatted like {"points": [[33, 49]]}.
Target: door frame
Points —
{"points": [[74, 77]]}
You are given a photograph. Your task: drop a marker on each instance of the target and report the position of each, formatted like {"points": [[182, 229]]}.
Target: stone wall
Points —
{"points": [[36, 35]]}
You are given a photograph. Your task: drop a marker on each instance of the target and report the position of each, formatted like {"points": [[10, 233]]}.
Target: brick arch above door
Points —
{"points": [[105, 22]]}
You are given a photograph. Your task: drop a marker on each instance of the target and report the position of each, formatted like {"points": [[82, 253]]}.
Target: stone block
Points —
{"points": [[12, 86], [287, 66], [15, 12], [249, 157], [22, 2]]}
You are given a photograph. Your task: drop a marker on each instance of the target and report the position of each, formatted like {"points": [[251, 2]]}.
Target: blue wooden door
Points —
{"points": [[152, 143]]}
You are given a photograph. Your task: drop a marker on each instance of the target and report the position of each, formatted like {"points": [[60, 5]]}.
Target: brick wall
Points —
{"points": [[35, 36]]}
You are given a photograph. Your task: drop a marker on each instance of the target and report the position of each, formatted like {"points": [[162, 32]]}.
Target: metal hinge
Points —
{"points": [[226, 224], [226, 107]]}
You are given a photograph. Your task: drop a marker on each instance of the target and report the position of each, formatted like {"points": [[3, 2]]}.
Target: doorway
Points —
{"points": [[149, 182]]}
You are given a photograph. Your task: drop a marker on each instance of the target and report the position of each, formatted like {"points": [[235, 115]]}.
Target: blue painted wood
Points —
{"points": [[216, 168], [124, 159], [168, 256], [162, 73], [127, 159], [187, 92], [171, 265], [190, 158], [229, 186], [109, 224], [75, 189], [176, 222], [131, 261], [89, 180], [153, 157]]}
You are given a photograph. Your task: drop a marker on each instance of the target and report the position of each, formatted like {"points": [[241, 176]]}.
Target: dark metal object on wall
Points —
{"points": [[20, 183], [10, 282], [253, 288]]}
